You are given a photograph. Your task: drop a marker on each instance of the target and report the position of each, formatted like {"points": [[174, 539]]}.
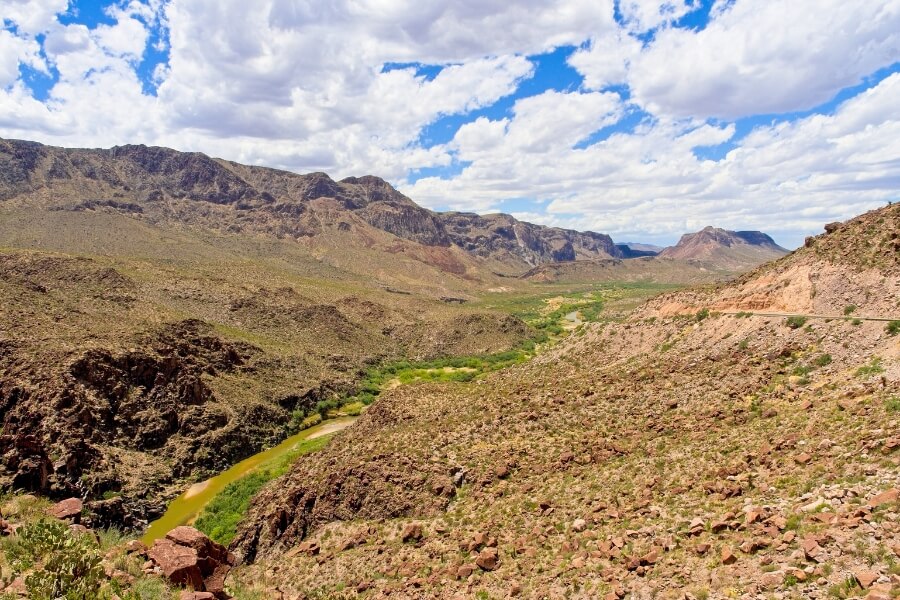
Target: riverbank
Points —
{"points": [[187, 507]]}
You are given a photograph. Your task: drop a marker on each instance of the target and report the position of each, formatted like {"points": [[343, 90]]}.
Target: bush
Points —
{"points": [[823, 360], [702, 314], [849, 309], [63, 564], [893, 328], [795, 322]]}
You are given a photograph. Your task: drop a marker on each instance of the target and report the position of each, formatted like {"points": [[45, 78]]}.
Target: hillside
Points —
{"points": [[735, 250], [676, 454], [338, 219]]}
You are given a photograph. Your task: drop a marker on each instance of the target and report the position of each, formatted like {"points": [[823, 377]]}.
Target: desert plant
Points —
{"points": [[56, 562], [893, 328], [795, 322]]}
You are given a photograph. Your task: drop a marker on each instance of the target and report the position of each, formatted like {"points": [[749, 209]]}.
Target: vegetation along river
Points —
{"points": [[184, 509]]}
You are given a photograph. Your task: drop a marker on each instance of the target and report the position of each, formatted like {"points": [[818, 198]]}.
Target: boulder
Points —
{"points": [[884, 497], [488, 559], [865, 578], [728, 557], [178, 563], [412, 532], [69, 509]]}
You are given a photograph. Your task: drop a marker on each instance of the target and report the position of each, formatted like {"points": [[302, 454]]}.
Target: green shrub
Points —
{"points": [[873, 368], [702, 314], [62, 564], [849, 309], [893, 328], [823, 360], [795, 322], [892, 404], [220, 518]]}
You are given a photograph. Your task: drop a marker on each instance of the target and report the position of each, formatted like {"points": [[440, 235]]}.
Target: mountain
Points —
{"points": [[163, 185], [731, 249], [683, 452], [638, 250]]}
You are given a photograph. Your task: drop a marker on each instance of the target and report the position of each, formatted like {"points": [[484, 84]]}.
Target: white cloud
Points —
{"points": [[643, 15], [32, 16], [300, 84], [766, 57], [787, 179]]}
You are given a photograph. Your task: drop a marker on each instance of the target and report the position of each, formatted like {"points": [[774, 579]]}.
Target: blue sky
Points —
{"points": [[640, 118]]}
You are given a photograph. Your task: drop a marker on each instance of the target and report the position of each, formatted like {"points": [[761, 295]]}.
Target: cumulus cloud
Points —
{"points": [[766, 57], [340, 87]]}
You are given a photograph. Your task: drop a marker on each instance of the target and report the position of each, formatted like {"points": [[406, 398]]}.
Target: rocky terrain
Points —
{"points": [[682, 453]]}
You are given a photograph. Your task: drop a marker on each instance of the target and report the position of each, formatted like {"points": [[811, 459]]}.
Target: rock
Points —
{"points": [[579, 525], [697, 526], [719, 526], [865, 578], [803, 458], [136, 547], [728, 557], [488, 559], [884, 497], [701, 549], [412, 532], [501, 471], [811, 549], [68, 509], [186, 595], [464, 571], [814, 505], [178, 563], [880, 592], [515, 589]]}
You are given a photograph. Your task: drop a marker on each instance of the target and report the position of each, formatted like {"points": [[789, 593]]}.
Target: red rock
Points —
{"points": [[884, 497], [67, 509], [411, 532], [178, 563], [728, 557], [701, 549], [215, 583], [136, 547], [719, 526], [464, 571], [205, 547], [515, 589], [865, 578], [880, 592], [501, 471], [488, 559], [803, 458]]}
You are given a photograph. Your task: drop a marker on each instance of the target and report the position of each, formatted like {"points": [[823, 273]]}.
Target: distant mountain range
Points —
{"points": [[161, 185]]}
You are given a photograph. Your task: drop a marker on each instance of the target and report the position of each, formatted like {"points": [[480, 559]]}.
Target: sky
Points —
{"points": [[643, 119]]}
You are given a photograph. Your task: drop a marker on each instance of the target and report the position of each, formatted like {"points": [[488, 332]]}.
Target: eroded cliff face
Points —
{"points": [[505, 238]]}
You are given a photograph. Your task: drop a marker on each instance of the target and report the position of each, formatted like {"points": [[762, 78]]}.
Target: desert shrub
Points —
{"points": [[795, 322], [849, 309], [702, 314], [873, 368], [823, 360], [893, 328], [56, 562]]}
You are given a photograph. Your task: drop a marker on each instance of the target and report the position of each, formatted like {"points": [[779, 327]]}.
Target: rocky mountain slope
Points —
{"points": [[682, 453], [163, 185], [727, 249]]}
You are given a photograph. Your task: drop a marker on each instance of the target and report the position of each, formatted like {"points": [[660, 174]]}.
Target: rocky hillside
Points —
{"points": [[510, 241], [163, 185], [678, 454], [728, 249]]}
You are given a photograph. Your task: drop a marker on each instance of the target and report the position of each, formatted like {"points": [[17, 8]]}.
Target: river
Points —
{"points": [[184, 509]]}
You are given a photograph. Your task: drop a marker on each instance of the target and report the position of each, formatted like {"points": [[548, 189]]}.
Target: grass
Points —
{"points": [[220, 518], [873, 368]]}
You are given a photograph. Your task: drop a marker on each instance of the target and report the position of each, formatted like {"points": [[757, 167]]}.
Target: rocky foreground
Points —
{"points": [[694, 451]]}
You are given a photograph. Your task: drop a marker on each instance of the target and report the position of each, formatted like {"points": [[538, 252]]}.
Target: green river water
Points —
{"points": [[184, 509]]}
